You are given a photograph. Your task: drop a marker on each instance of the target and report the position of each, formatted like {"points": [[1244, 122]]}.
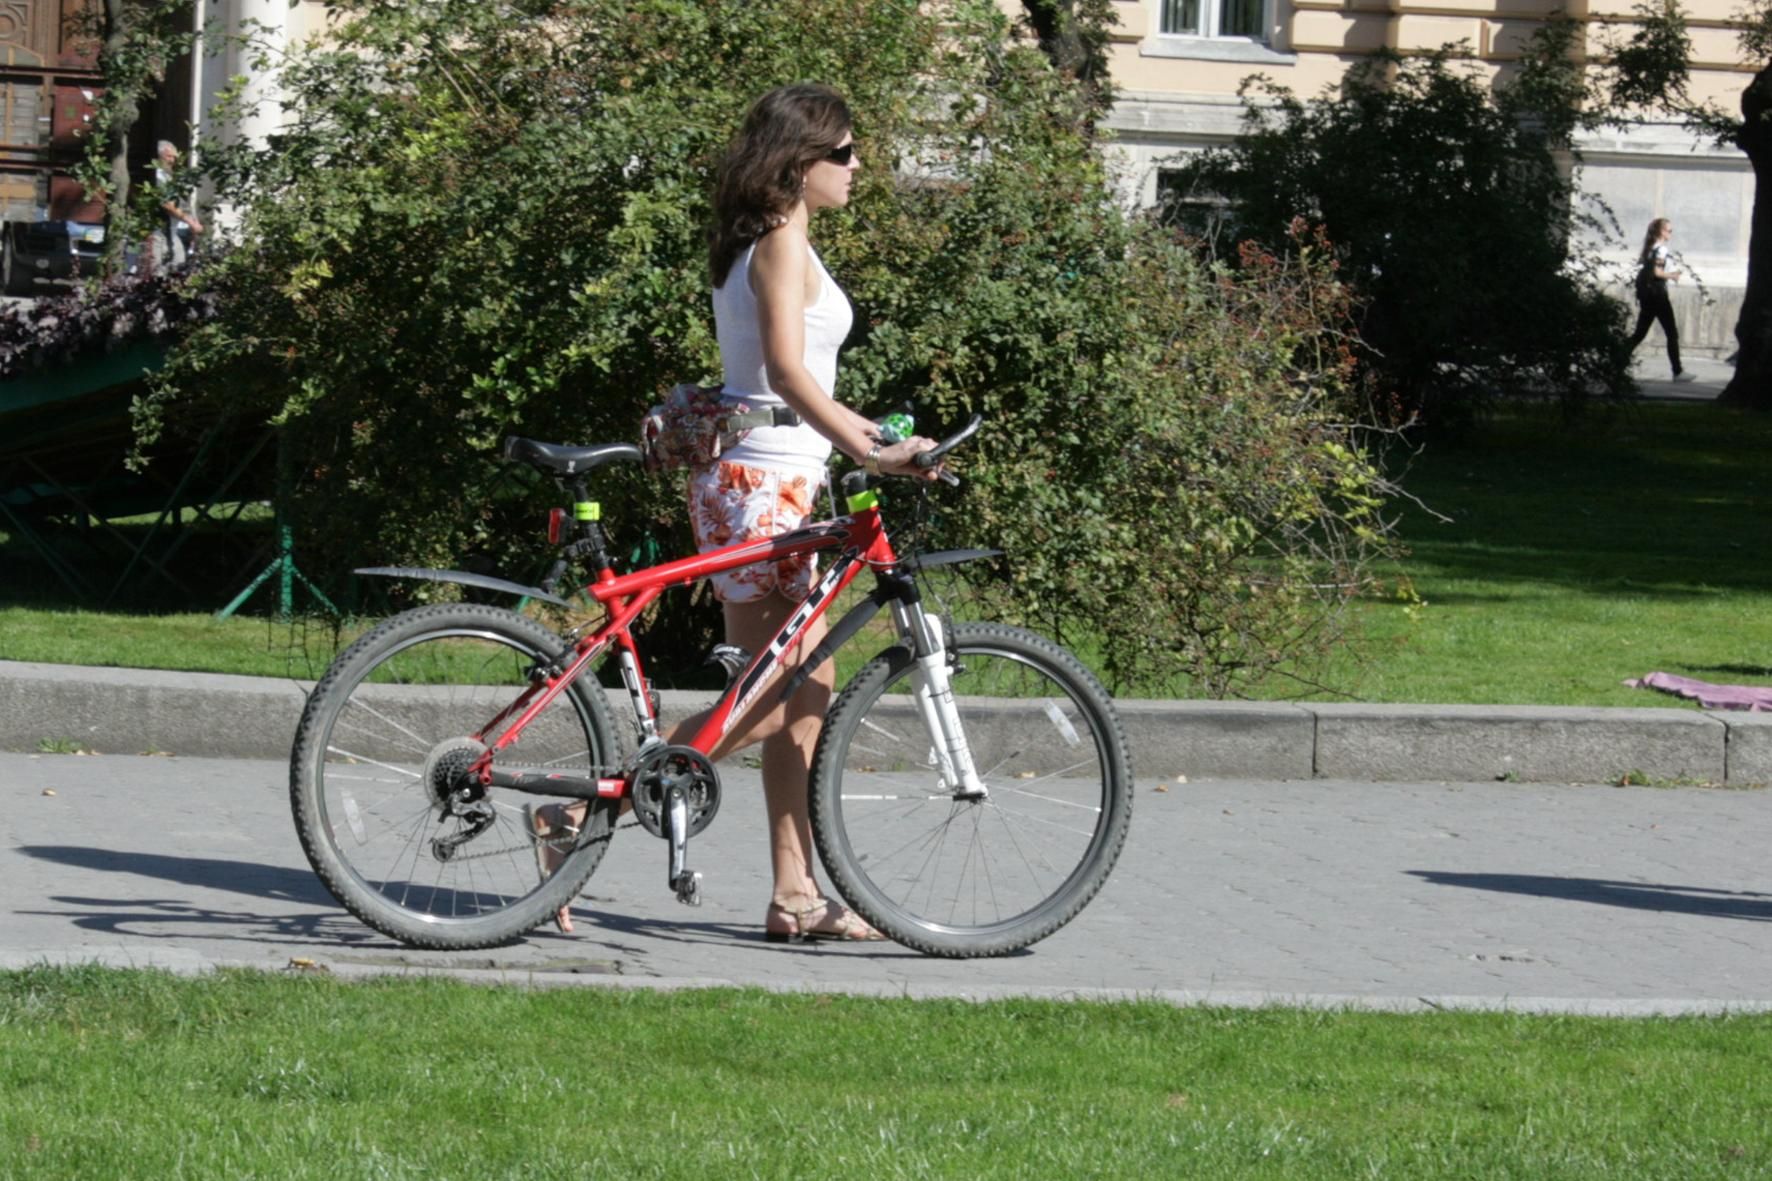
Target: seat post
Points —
{"points": [[593, 542]]}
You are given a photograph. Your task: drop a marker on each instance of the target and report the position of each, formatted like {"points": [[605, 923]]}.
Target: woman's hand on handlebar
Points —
{"points": [[900, 459]]}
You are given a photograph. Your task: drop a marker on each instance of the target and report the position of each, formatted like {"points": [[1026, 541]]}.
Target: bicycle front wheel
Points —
{"points": [[973, 877], [377, 762]]}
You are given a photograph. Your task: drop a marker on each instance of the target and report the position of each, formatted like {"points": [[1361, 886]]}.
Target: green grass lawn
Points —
{"points": [[1574, 557], [144, 1075]]}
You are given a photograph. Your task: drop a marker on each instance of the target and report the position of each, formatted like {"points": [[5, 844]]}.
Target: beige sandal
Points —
{"points": [[852, 928]]}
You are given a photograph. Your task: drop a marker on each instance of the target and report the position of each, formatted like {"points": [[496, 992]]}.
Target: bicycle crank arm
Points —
{"points": [[686, 882], [552, 783]]}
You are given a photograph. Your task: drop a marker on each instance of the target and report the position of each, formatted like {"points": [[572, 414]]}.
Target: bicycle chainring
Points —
{"points": [[657, 770]]}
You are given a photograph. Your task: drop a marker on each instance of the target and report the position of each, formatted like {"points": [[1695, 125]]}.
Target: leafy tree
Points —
{"points": [[1453, 214], [485, 218], [135, 39], [1651, 73], [1074, 36]]}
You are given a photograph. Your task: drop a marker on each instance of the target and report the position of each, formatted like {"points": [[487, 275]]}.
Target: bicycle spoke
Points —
{"points": [[419, 743], [1011, 787], [367, 761]]}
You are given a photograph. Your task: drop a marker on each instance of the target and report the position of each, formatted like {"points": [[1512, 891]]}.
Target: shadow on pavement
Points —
{"points": [[172, 918], [169, 917], [238, 877], [1694, 900], [606, 924]]}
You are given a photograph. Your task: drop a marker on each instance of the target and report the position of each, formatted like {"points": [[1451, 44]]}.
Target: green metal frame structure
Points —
{"points": [[65, 437]]}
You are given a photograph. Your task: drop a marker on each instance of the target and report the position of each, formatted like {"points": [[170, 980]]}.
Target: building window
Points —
{"points": [[1202, 214], [1214, 18]]}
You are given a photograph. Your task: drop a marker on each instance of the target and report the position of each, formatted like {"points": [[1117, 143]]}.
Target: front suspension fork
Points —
{"points": [[933, 691]]}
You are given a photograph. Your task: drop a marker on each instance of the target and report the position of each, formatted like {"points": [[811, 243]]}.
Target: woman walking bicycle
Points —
{"points": [[780, 318], [967, 793]]}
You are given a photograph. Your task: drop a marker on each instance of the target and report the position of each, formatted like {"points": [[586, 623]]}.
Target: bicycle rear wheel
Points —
{"points": [[384, 736], [960, 877]]}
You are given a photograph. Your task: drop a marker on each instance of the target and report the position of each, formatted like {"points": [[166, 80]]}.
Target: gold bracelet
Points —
{"points": [[872, 463]]}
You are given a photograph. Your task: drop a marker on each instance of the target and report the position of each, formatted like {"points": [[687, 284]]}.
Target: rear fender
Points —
{"points": [[463, 578]]}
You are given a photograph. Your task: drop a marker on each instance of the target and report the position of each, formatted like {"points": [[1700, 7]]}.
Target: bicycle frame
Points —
{"points": [[860, 540]]}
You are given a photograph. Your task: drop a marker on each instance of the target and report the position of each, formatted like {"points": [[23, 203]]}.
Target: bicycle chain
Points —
{"points": [[566, 846]]}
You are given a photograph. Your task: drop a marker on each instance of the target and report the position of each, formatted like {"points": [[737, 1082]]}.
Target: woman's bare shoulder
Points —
{"points": [[786, 243], [783, 254]]}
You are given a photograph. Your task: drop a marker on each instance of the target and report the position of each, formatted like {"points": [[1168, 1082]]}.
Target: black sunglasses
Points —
{"points": [[841, 155]]}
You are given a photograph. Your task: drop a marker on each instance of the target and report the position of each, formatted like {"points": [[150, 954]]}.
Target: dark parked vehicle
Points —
{"points": [[32, 250]]}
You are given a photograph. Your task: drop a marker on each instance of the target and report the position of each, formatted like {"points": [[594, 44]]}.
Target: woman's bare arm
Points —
{"points": [[781, 269]]}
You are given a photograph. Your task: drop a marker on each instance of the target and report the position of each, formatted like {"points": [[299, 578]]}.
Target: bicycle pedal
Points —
{"points": [[688, 887]]}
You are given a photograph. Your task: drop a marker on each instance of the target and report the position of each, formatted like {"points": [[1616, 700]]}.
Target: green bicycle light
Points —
{"points": [[587, 510], [863, 500]]}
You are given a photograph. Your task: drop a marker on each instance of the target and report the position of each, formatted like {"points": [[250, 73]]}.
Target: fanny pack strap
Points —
{"points": [[751, 419]]}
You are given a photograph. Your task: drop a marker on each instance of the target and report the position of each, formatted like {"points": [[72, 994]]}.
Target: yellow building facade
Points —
{"points": [[1177, 65]]}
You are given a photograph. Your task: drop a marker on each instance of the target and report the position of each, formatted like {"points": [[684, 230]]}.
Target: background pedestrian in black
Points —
{"points": [[1653, 271]]}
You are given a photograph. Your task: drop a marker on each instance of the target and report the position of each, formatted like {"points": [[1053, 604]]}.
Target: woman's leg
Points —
{"points": [[1664, 311], [789, 733], [1645, 317]]}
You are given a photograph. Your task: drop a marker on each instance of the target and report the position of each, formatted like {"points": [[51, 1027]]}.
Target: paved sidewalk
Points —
{"points": [[1396, 896], [1709, 375]]}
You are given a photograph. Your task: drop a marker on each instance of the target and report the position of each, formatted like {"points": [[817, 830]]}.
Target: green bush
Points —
{"points": [[1454, 213], [486, 218]]}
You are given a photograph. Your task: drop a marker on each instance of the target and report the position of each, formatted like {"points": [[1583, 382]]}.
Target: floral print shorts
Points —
{"points": [[731, 503]]}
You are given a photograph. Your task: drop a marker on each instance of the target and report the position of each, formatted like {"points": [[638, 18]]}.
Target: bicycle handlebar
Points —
{"points": [[931, 457]]}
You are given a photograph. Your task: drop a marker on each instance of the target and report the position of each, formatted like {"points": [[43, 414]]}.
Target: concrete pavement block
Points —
{"points": [[126, 711], [1218, 739], [1530, 743], [131, 711], [1749, 753]]}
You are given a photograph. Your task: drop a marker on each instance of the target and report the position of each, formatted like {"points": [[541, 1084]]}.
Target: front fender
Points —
{"points": [[463, 578], [949, 557]]}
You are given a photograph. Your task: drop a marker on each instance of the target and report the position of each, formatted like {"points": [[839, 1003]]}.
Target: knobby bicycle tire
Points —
{"points": [[973, 878], [387, 722]]}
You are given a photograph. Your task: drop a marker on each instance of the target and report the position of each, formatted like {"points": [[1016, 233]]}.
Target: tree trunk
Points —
{"points": [[123, 114], [1752, 384], [1073, 51]]}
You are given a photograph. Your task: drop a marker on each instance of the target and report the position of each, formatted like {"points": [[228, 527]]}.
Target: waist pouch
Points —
{"points": [[695, 425]]}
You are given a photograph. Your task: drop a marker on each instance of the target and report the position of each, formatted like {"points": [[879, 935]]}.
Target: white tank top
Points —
{"points": [[800, 450]]}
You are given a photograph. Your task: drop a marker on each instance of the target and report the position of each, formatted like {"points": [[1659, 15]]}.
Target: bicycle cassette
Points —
{"points": [[661, 768]]}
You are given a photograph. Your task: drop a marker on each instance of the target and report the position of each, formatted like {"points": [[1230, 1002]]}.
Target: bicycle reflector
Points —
{"points": [[556, 525]]}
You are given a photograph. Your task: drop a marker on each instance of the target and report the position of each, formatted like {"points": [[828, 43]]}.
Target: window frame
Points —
{"points": [[1212, 12]]}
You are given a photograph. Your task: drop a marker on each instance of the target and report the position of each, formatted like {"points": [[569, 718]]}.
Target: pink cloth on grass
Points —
{"points": [[1749, 697]]}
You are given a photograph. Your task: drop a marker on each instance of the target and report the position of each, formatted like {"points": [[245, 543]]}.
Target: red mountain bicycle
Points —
{"points": [[970, 791]]}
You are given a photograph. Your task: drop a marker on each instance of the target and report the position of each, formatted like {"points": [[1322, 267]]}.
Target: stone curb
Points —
{"points": [[129, 711], [191, 963]]}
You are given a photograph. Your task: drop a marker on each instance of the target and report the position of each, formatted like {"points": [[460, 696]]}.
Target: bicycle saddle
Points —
{"points": [[563, 459]]}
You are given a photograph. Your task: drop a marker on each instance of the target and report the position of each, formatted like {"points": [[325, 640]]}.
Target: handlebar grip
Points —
{"points": [[928, 459]]}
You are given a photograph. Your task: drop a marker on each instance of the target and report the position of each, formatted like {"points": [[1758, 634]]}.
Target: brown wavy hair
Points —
{"points": [[764, 169], [1651, 238]]}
